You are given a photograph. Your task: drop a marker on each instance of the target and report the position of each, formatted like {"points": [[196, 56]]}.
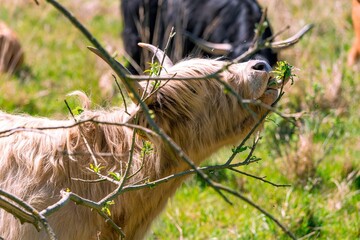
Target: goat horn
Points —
{"points": [[209, 47], [160, 55], [292, 40], [133, 84]]}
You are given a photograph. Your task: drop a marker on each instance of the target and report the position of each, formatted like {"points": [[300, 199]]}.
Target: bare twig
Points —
{"points": [[20, 213], [24, 213], [259, 178], [122, 94], [171, 36], [260, 29], [231, 158], [11, 131], [248, 201], [83, 136]]}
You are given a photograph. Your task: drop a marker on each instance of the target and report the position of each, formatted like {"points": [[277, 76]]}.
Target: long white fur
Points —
{"points": [[196, 114]]}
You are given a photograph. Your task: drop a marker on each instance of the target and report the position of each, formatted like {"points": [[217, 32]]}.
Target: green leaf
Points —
{"points": [[77, 111], [239, 149], [226, 90], [154, 69], [115, 175], [96, 168], [283, 71], [156, 84], [152, 114], [105, 209], [147, 148]]}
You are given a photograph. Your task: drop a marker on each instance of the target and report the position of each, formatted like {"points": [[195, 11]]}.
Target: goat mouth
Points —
{"points": [[272, 88], [274, 84]]}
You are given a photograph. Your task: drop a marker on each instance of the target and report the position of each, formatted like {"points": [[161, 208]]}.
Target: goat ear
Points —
{"points": [[133, 84], [160, 55]]}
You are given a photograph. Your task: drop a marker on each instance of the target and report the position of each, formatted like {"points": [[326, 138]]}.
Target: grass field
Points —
{"points": [[319, 156]]}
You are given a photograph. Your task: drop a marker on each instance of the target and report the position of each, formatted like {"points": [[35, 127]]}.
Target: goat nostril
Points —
{"points": [[260, 66]]}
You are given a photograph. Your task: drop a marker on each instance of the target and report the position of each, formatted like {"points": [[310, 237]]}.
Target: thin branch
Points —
{"points": [[11, 131], [137, 171], [253, 129], [259, 178], [69, 109], [99, 180], [128, 165], [68, 196], [112, 224], [260, 29], [101, 177], [56, 206], [20, 213], [171, 36], [267, 214], [24, 214], [181, 174], [83, 137], [122, 94], [156, 89]]}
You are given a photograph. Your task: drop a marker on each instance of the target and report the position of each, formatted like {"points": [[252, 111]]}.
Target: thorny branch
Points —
{"points": [[27, 213]]}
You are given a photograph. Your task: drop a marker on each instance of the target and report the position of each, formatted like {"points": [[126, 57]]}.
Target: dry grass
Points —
{"points": [[338, 198], [299, 164]]}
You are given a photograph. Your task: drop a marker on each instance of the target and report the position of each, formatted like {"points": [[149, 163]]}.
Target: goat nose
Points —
{"points": [[261, 66]]}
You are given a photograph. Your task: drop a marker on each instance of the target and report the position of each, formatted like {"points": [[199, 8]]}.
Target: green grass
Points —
{"points": [[324, 206]]}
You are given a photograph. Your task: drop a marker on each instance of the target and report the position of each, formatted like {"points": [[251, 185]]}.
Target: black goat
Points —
{"points": [[232, 22]]}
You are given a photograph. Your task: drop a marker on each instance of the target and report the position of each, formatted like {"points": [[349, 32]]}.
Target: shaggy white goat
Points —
{"points": [[196, 114]]}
